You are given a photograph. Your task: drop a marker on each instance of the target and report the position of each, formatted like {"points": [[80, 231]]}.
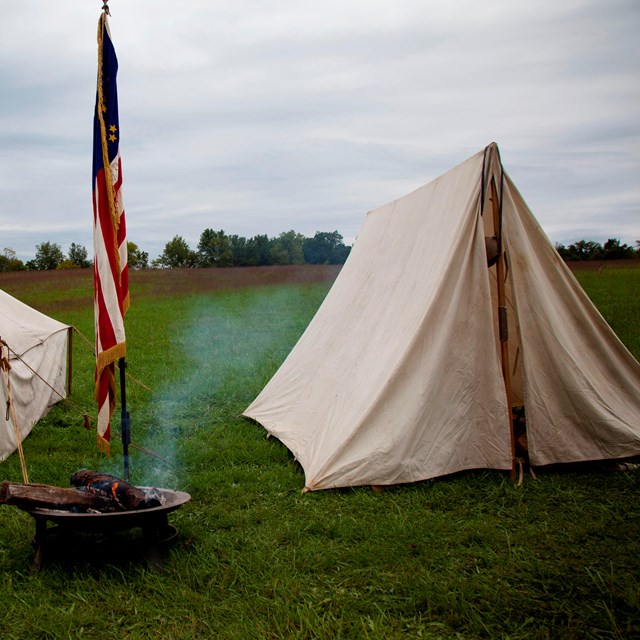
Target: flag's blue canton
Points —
{"points": [[110, 97]]}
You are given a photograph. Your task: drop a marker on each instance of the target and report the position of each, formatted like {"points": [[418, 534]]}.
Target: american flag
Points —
{"points": [[111, 274]]}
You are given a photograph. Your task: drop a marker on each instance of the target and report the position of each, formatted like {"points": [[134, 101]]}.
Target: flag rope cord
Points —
{"points": [[26, 364]]}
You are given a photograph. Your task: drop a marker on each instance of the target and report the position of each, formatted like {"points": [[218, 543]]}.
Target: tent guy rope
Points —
{"points": [[73, 405]]}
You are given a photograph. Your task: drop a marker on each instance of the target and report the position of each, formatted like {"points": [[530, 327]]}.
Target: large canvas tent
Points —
{"points": [[453, 309], [37, 350]]}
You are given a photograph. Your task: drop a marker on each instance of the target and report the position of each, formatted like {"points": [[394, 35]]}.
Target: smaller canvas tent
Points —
{"points": [[417, 357], [38, 359]]}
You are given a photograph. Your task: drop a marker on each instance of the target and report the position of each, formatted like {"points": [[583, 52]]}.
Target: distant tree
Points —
{"points": [[239, 250], [613, 250], [67, 264], [277, 254], [584, 250], [136, 258], [258, 249], [214, 249], [78, 255], [48, 256], [325, 248], [176, 254], [9, 261], [340, 254], [287, 248], [562, 251]]}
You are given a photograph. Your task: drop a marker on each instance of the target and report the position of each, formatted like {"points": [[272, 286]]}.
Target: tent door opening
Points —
{"points": [[502, 303]]}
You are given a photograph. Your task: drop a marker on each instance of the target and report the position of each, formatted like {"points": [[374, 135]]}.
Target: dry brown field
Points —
{"points": [[38, 288], [599, 265]]}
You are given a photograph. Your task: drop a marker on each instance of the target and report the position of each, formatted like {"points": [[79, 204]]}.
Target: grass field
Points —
{"points": [[470, 556]]}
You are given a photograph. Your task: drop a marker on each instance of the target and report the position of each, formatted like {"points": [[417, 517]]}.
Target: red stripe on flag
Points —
{"points": [[105, 333]]}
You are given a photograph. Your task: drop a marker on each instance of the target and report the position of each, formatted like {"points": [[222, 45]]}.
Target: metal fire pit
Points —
{"points": [[157, 533]]}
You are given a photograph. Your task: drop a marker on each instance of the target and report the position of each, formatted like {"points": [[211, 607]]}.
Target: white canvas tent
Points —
{"points": [[38, 359], [406, 373]]}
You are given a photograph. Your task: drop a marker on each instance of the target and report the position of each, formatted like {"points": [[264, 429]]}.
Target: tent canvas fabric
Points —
{"points": [[37, 344], [398, 377]]}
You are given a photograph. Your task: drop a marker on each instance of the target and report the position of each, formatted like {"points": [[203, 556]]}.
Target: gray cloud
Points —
{"points": [[260, 117]]}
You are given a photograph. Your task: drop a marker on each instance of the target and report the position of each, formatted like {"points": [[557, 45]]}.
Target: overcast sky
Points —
{"points": [[261, 117]]}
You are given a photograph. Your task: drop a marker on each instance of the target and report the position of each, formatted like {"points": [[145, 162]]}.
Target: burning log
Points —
{"points": [[27, 496], [124, 496], [98, 492]]}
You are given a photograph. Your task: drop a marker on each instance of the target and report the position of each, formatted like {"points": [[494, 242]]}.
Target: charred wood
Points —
{"points": [[93, 492], [32, 496], [125, 496]]}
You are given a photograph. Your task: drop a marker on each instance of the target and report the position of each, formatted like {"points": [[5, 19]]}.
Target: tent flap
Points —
{"points": [[582, 386]]}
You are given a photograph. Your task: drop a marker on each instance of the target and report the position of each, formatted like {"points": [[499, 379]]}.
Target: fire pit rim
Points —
{"points": [[173, 500]]}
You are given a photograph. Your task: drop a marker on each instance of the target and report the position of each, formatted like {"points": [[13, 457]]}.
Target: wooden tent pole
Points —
{"points": [[69, 359], [502, 318], [5, 365]]}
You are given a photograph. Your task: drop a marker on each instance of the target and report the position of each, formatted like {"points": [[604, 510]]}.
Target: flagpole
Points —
{"points": [[125, 420]]}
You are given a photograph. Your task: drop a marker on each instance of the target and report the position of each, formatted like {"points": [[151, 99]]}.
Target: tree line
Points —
{"points": [[612, 249], [214, 249], [217, 249]]}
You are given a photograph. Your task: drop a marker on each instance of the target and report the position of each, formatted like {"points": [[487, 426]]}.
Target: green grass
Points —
{"points": [[616, 293], [470, 556]]}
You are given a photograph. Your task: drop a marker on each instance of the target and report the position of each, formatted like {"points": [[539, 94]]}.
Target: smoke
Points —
{"points": [[223, 352]]}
